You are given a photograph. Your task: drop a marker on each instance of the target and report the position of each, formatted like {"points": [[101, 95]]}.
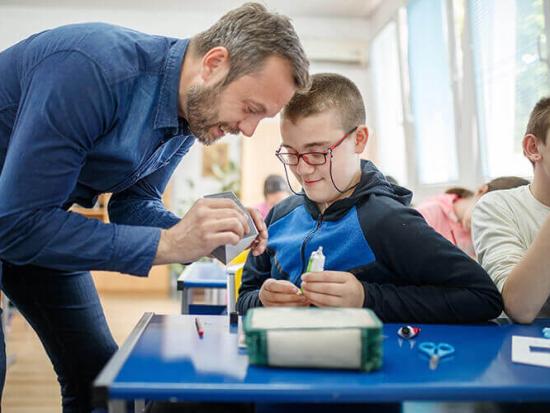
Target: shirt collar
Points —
{"points": [[167, 110]]}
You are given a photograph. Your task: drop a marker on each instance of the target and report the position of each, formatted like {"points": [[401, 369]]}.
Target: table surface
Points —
{"points": [[203, 275], [165, 359]]}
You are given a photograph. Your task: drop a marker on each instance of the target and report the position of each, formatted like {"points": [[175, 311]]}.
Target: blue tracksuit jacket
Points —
{"points": [[409, 272]]}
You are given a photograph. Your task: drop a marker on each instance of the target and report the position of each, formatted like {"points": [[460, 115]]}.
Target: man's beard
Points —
{"points": [[202, 112]]}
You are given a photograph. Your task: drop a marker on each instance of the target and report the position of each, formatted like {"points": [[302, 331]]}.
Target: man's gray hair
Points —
{"points": [[251, 34]]}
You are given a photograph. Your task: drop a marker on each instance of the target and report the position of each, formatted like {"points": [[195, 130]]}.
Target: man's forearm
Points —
{"points": [[168, 251], [164, 249]]}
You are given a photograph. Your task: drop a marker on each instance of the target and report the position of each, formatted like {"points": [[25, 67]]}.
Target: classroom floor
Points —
{"points": [[31, 385]]}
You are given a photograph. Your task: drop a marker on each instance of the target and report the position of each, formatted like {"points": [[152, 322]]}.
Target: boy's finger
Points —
{"points": [[325, 276], [335, 289], [287, 299], [322, 300], [282, 287]]}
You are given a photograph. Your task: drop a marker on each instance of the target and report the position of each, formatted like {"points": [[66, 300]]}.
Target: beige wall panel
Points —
{"points": [[258, 161]]}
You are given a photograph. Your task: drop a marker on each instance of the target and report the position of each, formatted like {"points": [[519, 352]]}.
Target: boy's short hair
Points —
{"points": [[506, 182], [539, 120], [497, 184], [328, 91], [460, 192]]}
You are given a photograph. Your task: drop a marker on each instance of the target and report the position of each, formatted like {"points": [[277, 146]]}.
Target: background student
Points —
{"points": [[511, 229], [379, 252], [450, 213], [275, 190]]}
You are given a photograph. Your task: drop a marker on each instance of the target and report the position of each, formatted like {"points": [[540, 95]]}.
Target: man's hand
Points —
{"points": [[210, 222], [281, 293], [259, 244], [333, 289]]}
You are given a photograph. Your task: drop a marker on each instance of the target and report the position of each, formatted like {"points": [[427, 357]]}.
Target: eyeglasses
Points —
{"points": [[311, 158]]}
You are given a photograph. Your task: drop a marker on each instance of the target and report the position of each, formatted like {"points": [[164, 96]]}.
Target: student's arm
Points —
{"points": [[259, 289], [428, 279], [256, 270], [521, 272]]}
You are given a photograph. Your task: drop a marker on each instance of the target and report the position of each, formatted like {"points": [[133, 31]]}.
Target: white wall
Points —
{"points": [[322, 38]]}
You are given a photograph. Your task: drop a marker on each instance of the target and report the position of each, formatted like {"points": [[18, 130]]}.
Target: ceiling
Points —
{"points": [[292, 8]]}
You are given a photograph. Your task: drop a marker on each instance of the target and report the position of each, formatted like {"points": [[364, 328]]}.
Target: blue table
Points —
{"points": [[164, 359], [206, 275]]}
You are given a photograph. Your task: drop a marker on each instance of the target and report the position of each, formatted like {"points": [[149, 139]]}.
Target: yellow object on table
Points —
{"points": [[239, 259]]}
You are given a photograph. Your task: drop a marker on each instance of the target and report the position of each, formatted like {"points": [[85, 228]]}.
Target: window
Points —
{"points": [[388, 110], [511, 75], [471, 72], [431, 92]]}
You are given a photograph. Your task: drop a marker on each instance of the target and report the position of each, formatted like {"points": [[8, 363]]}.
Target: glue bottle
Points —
{"points": [[316, 261]]}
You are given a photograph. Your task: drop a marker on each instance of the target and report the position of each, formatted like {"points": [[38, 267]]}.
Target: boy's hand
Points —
{"points": [[333, 289], [281, 293], [259, 244]]}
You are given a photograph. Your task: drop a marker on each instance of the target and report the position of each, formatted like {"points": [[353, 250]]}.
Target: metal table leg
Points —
{"points": [[185, 300], [139, 406], [117, 406]]}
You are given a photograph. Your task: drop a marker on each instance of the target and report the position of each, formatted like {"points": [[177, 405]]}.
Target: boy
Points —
{"points": [[511, 229], [379, 253], [450, 213]]}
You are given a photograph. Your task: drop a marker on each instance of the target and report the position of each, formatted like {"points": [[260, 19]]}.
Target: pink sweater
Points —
{"points": [[439, 213], [264, 209]]}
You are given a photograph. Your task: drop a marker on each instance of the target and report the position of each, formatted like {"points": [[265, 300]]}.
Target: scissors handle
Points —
{"points": [[444, 349], [436, 351], [427, 347]]}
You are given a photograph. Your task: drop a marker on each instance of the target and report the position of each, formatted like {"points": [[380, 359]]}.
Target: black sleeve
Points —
{"points": [[433, 281], [256, 270]]}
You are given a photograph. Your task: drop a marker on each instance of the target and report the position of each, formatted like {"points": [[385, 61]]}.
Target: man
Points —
{"points": [[92, 108], [511, 229]]}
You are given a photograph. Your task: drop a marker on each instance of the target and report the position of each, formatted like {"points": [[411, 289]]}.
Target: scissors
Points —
{"points": [[436, 351]]}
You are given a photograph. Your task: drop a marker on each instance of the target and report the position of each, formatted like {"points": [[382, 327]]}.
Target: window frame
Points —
{"points": [[463, 89]]}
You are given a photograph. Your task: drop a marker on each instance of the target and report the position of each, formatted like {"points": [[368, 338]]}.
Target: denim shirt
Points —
{"points": [[87, 109]]}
